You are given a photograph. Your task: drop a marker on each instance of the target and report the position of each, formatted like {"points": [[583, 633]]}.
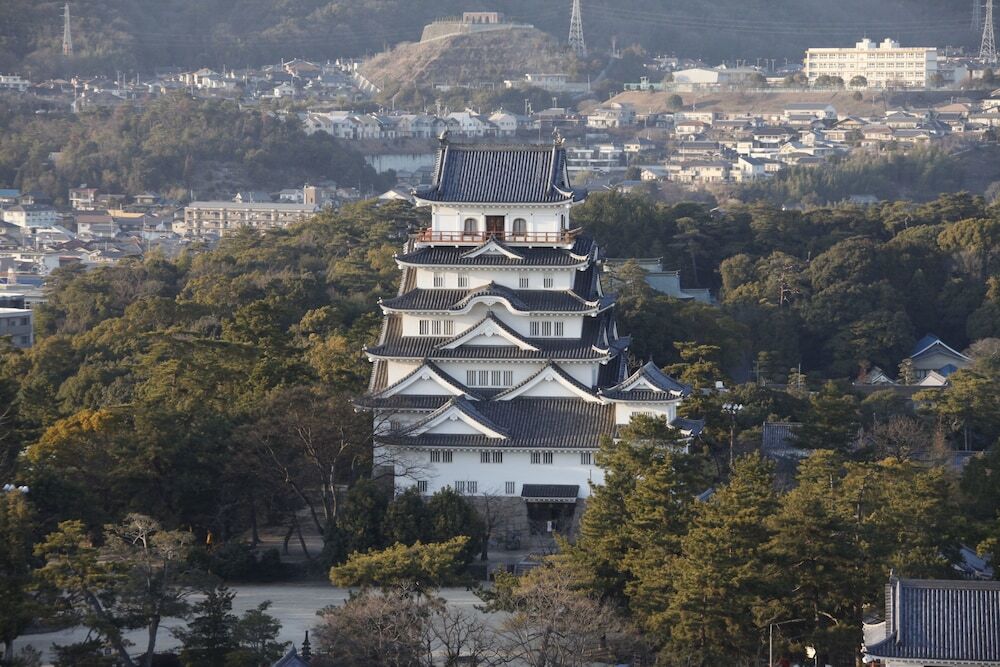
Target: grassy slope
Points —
{"points": [[489, 56]]}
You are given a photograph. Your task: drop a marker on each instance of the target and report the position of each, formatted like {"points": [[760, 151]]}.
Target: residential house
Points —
{"points": [[93, 226], [83, 198], [505, 122], [612, 115]]}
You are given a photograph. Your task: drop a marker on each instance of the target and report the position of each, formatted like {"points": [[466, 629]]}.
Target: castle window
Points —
{"points": [[438, 280], [509, 488], [523, 282], [585, 458], [463, 280], [471, 226], [422, 486], [548, 282], [520, 227]]}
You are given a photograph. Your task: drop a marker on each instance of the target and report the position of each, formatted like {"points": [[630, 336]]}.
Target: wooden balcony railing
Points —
{"points": [[431, 236]]}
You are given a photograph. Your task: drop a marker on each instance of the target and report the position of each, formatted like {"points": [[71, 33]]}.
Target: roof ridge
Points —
{"points": [[549, 364]]}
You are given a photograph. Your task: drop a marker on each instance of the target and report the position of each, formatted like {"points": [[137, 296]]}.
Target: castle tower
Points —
{"points": [[500, 367], [576, 43]]}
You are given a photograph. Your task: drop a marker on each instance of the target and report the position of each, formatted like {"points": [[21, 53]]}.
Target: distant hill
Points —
{"points": [[126, 35], [457, 59]]}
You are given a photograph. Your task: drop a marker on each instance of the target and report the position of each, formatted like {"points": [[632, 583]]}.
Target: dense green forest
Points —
{"points": [[918, 176], [129, 35], [175, 145], [201, 398]]}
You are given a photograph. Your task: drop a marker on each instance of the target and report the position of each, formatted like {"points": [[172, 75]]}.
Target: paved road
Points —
{"points": [[295, 605]]}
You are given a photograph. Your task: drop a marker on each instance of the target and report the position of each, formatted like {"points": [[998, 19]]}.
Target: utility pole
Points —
{"points": [[576, 43], [988, 49], [67, 33]]}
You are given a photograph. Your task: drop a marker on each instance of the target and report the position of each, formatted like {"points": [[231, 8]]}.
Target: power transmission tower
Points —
{"points": [[988, 50], [67, 34], [576, 43], [977, 15]]}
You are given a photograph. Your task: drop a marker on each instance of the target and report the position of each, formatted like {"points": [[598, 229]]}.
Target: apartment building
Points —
{"points": [[219, 218], [886, 64]]}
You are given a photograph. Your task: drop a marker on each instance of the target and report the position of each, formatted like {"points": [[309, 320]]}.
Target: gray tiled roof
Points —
{"points": [[455, 256], [669, 388], [941, 621], [550, 490], [531, 173], [544, 423], [691, 426], [547, 301], [395, 345]]}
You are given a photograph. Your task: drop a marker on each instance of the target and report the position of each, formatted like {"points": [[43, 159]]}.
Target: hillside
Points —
{"points": [[488, 56], [126, 35]]}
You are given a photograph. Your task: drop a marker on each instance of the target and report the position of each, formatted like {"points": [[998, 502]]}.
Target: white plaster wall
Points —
{"points": [[624, 411], [541, 218], [397, 370], [562, 279], [572, 323], [491, 477]]}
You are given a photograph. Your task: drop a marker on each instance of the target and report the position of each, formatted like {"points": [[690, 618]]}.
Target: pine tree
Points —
{"points": [[406, 519], [718, 578], [210, 634], [818, 551], [659, 510], [599, 553]]}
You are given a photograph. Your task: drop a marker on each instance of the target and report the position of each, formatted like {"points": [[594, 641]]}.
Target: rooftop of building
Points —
{"points": [[501, 173]]}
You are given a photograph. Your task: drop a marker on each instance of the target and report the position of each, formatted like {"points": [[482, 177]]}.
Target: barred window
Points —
{"points": [[484, 457], [497, 457], [509, 488], [460, 487], [472, 486], [422, 486], [547, 457], [536, 457], [438, 280], [463, 280], [585, 458]]}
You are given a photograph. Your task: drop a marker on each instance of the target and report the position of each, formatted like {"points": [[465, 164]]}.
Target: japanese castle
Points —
{"points": [[499, 366]]}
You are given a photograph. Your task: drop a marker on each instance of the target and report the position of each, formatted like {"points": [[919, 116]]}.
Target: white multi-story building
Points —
{"points": [[219, 218], [884, 64], [31, 215], [499, 367]]}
